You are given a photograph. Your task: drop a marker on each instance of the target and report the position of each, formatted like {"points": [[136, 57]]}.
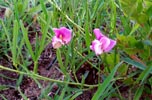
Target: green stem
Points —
{"points": [[86, 60], [47, 79], [66, 16], [35, 67]]}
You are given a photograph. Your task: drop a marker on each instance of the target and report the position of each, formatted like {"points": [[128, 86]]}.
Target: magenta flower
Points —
{"points": [[101, 43], [62, 36]]}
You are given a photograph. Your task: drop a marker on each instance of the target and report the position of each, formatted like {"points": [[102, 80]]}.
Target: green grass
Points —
{"points": [[128, 22]]}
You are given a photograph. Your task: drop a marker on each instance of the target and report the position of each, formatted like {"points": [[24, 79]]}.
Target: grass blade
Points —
{"points": [[14, 42], [102, 87], [27, 42], [145, 74], [59, 58], [75, 95], [98, 4], [138, 93], [3, 97], [134, 63], [23, 96]]}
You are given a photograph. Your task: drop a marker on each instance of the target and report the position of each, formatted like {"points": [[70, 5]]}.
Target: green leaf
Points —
{"points": [[149, 11], [138, 93], [123, 69], [142, 18], [137, 11], [145, 74], [20, 79], [63, 92], [15, 43], [102, 87], [134, 63], [3, 87], [59, 58], [3, 97], [87, 26], [128, 81], [135, 27], [150, 80], [126, 5], [27, 42], [98, 5], [110, 59], [44, 8], [45, 23], [75, 95], [23, 96]]}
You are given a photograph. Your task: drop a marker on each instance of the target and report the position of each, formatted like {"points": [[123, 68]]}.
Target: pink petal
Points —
{"points": [[56, 42], [98, 33], [96, 47], [102, 43], [105, 42], [57, 32], [111, 45], [93, 44], [63, 33]]}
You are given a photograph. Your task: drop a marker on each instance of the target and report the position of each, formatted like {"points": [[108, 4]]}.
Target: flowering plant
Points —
{"points": [[62, 36], [101, 43]]}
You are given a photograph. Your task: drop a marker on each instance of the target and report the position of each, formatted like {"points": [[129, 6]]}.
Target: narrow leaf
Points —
{"points": [[102, 87], [138, 93]]}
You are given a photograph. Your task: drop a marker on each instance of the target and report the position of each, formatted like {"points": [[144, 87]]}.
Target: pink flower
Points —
{"points": [[101, 43], [62, 36]]}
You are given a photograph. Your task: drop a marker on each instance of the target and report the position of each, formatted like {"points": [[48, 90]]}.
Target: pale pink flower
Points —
{"points": [[101, 43], [62, 36]]}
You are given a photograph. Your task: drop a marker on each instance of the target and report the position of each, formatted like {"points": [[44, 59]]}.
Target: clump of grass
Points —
{"points": [[127, 65]]}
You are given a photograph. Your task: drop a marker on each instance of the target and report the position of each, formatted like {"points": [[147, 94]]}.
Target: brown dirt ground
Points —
{"points": [[29, 87]]}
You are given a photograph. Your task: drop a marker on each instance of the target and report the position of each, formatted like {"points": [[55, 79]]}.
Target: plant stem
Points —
{"points": [[47, 79], [35, 67]]}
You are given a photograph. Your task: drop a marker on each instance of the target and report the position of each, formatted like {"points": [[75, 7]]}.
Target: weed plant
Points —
{"points": [[129, 22]]}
